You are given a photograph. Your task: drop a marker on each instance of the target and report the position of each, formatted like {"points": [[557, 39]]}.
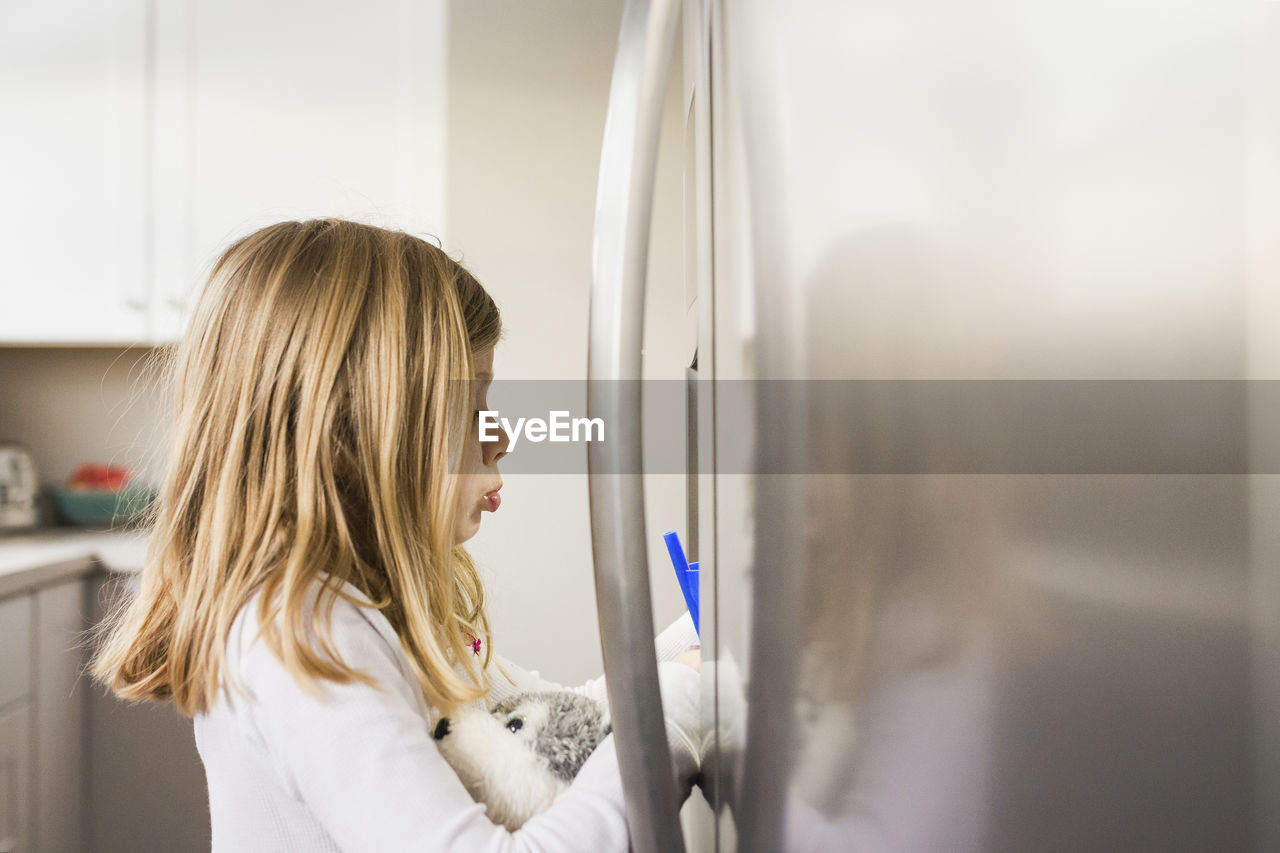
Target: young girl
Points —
{"points": [[306, 597]]}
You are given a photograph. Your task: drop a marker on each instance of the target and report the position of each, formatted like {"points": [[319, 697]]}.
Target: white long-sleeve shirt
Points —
{"points": [[354, 768]]}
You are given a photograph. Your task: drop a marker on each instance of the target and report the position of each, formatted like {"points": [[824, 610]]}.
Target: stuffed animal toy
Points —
{"points": [[517, 758]]}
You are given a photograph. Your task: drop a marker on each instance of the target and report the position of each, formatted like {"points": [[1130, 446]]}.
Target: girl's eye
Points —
{"points": [[515, 724]]}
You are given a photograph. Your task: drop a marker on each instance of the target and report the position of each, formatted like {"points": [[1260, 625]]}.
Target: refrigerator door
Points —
{"points": [[942, 232], [718, 263]]}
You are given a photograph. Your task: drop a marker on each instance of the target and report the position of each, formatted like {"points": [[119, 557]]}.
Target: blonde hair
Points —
{"points": [[319, 415]]}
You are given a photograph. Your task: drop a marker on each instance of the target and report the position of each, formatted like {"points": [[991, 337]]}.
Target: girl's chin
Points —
{"points": [[464, 529]]}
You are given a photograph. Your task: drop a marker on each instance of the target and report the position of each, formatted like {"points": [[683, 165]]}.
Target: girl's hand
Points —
{"points": [[681, 689], [691, 657]]}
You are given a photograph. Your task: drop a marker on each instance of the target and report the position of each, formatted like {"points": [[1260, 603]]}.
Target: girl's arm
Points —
{"points": [[364, 763], [673, 640]]}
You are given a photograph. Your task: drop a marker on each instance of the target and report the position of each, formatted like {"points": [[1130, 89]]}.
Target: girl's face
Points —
{"points": [[479, 482]]}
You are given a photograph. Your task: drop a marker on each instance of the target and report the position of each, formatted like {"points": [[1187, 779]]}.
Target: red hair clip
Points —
{"points": [[475, 642]]}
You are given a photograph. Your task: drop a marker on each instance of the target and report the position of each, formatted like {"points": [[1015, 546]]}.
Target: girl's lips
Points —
{"points": [[493, 500]]}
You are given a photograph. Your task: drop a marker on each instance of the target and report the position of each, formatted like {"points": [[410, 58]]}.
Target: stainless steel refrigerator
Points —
{"points": [[980, 428]]}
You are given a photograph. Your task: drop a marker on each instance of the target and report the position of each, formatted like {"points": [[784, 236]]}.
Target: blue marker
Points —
{"points": [[686, 574]]}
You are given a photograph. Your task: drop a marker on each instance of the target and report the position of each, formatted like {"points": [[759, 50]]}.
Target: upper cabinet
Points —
{"points": [[189, 124], [73, 139], [282, 110]]}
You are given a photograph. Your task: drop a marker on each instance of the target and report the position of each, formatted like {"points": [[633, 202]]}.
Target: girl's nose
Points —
{"points": [[495, 450]]}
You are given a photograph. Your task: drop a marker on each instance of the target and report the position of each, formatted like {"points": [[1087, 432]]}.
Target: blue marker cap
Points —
{"points": [[686, 575]]}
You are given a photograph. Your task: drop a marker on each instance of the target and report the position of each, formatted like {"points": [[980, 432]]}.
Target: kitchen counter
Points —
{"points": [[46, 556]]}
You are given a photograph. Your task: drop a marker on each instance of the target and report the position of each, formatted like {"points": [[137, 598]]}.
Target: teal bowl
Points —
{"points": [[98, 508]]}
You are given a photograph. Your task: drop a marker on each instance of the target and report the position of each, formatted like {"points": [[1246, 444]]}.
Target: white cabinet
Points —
{"points": [[59, 700], [143, 137], [42, 719], [15, 650], [278, 110], [15, 774], [15, 721], [73, 142]]}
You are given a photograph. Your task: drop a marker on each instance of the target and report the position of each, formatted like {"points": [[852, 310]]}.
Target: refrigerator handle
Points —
{"points": [[620, 248]]}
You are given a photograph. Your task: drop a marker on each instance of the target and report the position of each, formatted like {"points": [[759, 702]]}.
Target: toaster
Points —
{"points": [[19, 488]]}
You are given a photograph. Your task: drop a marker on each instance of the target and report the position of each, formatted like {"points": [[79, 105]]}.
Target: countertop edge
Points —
{"points": [[16, 583], [53, 556]]}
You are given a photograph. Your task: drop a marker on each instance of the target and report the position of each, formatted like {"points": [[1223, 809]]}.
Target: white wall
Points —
{"points": [[529, 85], [84, 405]]}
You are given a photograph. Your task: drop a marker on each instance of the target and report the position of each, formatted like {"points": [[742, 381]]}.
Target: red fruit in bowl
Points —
{"points": [[108, 478]]}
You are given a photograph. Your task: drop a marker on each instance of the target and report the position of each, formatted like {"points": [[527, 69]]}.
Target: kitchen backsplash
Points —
{"points": [[73, 405]]}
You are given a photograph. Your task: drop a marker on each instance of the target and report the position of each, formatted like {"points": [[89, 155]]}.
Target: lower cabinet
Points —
{"points": [[60, 700], [15, 724], [80, 771], [15, 773], [147, 787], [42, 719]]}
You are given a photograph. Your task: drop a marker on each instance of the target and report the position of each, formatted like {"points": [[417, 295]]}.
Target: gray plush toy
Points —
{"points": [[517, 758]]}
